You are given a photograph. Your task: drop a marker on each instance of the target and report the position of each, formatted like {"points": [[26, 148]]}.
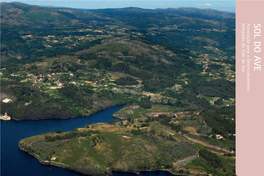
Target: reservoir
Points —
{"points": [[15, 162]]}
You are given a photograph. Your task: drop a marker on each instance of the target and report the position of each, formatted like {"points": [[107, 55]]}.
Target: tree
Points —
{"points": [[112, 121], [58, 131]]}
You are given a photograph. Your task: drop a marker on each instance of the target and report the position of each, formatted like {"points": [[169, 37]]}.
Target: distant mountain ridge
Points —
{"points": [[29, 19], [24, 9]]}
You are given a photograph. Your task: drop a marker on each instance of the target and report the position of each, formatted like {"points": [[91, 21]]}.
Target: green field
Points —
{"points": [[135, 111]]}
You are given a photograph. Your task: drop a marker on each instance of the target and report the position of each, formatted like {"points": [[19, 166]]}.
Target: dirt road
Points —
{"points": [[206, 144], [183, 160]]}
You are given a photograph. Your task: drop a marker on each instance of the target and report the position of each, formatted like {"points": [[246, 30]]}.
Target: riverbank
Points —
{"points": [[57, 164], [14, 131], [92, 112], [110, 170], [136, 111], [100, 149], [110, 173], [133, 146]]}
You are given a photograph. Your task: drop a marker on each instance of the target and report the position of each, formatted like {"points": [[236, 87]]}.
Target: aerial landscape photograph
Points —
{"points": [[120, 88]]}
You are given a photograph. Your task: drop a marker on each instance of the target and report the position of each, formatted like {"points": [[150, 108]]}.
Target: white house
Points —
{"points": [[7, 100]]}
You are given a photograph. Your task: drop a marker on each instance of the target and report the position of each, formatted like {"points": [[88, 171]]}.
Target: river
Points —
{"points": [[15, 162]]}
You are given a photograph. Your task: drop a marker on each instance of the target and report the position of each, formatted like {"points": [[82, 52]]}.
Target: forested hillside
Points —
{"points": [[173, 69], [184, 57]]}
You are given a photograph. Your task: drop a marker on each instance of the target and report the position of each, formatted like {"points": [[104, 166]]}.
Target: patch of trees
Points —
{"points": [[65, 66], [167, 137], [125, 68], [144, 62], [128, 80], [142, 74], [215, 66], [212, 159], [121, 67], [145, 105], [176, 127], [30, 103], [188, 97], [165, 120], [68, 135], [136, 132], [213, 164], [88, 56], [219, 101], [47, 112], [73, 67], [144, 124], [103, 63], [96, 140], [150, 136], [215, 88], [221, 120], [155, 85], [36, 110], [193, 99], [40, 105], [80, 94]]}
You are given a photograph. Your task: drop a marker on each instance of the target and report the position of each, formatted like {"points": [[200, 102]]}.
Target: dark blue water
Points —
{"points": [[15, 162]]}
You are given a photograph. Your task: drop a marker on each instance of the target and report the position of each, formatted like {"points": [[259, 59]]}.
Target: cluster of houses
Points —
{"points": [[55, 81]]}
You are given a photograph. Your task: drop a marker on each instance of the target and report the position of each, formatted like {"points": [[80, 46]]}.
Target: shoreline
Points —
{"points": [[110, 170], [23, 147], [87, 115]]}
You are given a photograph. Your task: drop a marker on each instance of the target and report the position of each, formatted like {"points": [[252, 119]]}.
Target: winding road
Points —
{"points": [[206, 144]]}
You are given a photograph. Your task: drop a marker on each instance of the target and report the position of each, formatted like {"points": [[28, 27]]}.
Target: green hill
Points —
{"points": [[170, 52], [173, 68]]}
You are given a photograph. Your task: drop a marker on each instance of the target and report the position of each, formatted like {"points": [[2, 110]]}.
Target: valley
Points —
{"points": [[172, 69]]}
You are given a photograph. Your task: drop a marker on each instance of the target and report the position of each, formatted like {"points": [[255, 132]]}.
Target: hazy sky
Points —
{"points": [[223, 5]]}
